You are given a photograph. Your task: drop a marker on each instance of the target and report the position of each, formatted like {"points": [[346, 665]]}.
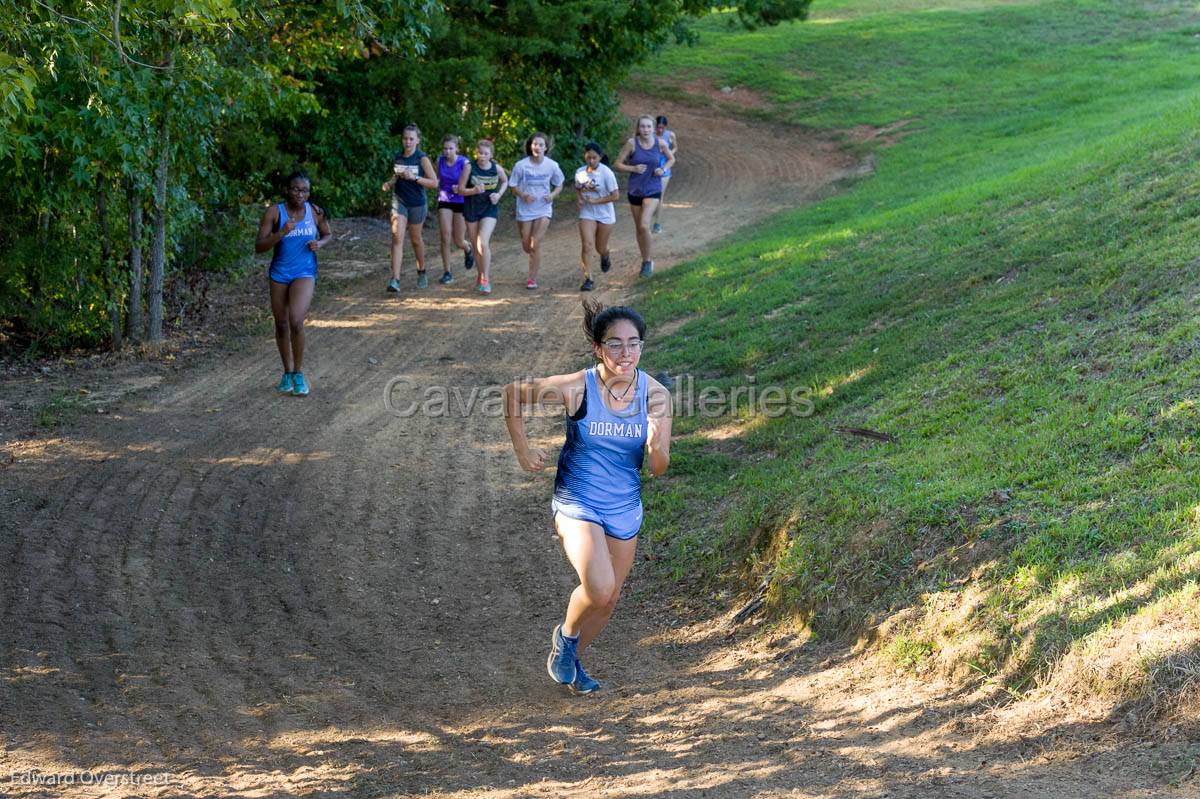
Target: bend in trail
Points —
{"points": [[260, 596]]}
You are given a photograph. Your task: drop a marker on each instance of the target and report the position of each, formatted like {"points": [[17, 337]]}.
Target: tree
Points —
{"points": [[499, 68], [104, 103]]}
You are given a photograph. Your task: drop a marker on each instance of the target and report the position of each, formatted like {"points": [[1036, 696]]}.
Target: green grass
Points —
{"points": [[60, 410], [1012, 295]]}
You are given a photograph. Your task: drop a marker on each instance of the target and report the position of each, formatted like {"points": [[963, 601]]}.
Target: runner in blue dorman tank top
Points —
{"points": [[295, 229], [667, 135], [617, 417]]}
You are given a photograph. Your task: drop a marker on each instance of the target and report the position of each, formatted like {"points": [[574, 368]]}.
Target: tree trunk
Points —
{"points": [[158, 247], [135, 324], [111, 280]]}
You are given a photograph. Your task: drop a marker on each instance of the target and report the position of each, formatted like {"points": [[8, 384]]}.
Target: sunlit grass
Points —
{"points": [[1011, 295]]}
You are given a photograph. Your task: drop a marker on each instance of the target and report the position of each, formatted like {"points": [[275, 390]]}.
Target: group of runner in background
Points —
{"points": [[469, 192]]}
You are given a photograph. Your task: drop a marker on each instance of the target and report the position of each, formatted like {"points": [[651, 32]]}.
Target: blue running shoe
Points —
{"points": [[299, 387], [561, 663], [446, 279], [583, 684], [468, 260], [647, 269], [285, 383]]}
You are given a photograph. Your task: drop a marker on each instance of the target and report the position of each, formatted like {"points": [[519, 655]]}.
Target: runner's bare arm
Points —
{"points": [[619, 164], [503, 187], [430, 180], [669, 153], [463, 189], [658, 440], [514, 183], [542, 392], [326, 235], [266, 238]]}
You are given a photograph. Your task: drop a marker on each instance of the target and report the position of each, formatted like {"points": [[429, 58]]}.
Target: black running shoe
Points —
{"points": [[605, 263]]}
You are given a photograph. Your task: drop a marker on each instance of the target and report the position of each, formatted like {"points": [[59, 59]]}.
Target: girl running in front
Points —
{"points": [[481, 185], [450, 167], [616, 417], [536, 181], [412, 174], [641, 157], [666, 134], [595, 191], [296, 229]]}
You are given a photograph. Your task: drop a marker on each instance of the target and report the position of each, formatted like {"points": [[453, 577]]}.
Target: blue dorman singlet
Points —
{"points": [[600, 463], [292, 258]]}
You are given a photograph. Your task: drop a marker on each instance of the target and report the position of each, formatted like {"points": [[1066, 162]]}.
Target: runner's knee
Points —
{"points": [[600, 591]]}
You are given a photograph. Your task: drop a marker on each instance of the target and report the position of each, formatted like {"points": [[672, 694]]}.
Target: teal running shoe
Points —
{"points": [[422, 280], [299, 387], [561, 663], [393, 285], [583, 684], [647, 269], [285, 383]]}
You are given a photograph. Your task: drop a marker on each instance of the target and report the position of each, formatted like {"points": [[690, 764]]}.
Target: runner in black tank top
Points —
{"points": [[482, 184], [412, 174]]}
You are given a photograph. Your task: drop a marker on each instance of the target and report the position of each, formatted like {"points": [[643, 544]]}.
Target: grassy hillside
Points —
{"points": [[1013, 296]]}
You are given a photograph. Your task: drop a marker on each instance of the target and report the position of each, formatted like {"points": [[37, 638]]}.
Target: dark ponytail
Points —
{"points": [[597, 319], [598, 150]]}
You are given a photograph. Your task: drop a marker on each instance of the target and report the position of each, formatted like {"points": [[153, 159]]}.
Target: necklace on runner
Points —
{"points": [[628, 386]]}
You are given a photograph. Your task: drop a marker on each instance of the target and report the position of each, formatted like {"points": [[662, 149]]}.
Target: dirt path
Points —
{"points": [[247, 595]]}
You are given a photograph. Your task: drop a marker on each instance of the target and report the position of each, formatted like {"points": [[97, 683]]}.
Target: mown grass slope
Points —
{"points": [[1012, 295]]}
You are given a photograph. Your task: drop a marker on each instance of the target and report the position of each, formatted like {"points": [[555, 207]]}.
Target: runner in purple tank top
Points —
{"points": [[642, 157], [617, 417], [451, 225]]}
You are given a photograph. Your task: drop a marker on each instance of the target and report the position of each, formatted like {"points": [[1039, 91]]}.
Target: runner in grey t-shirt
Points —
{"points": [[536, 181], [595, 191]]}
